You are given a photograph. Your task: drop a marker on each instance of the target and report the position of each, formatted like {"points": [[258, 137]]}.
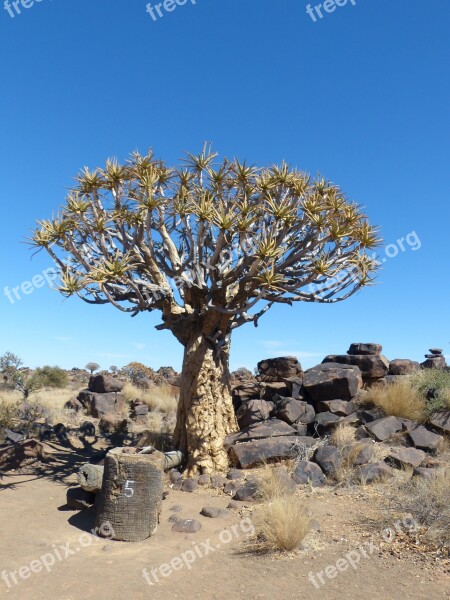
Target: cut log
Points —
{"points": [[90, 477], [131, 495]]}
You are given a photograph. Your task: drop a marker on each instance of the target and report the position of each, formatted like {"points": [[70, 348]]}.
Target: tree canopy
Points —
{"points": [[222, 236]]}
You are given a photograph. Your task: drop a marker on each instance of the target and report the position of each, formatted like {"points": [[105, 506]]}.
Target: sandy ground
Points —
{"points": [[35, 523]]}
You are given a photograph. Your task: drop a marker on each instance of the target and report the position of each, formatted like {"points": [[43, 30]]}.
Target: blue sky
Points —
{"points": [[361, 96]]}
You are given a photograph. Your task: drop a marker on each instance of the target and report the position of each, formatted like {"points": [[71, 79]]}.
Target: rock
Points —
{"points": [[177, 508], [368, 416], [361, 454], [213, 512], [425, 473], [253, 411], [231, 486], [284, 480], [342, 408], [103, 384], [242, 375], [276, 369], [174, 476], [253, 453], [403, 366], [383, 428], [301, 428], [436, 362], [308, 472], [204, 480], [361, 433], [329, 381], [371, 366], [373, 473], [365, 349], [106, 404], [246, 391], [217, 482], [436, 351], [441, 421], [329, 460], [12, 436], [20, 454], [186, 526], [294, 411], [405, 457], [424, 439], [268, 429], [247, 492], [238, 505], [294, 386], [177, 485], [189, 485], [352, 419], [79, 499], [274, 388], [234, 474], [73, 404], [326, 422]]}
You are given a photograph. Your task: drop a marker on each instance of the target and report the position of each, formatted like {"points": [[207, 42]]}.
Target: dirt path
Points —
{"points": [[94, 569]]}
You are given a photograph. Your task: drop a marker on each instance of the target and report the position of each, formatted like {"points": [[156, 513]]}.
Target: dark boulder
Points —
{"points": [[277, 369], [424, 439], [308, 472], [256, 452], [331, 381], [365, 349], [329, 460], [403, 366], [253, 411], [371, 366], [103, 384]]}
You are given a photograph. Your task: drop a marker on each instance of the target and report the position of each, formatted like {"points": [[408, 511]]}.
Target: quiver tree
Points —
{"points": [[211, 246]]}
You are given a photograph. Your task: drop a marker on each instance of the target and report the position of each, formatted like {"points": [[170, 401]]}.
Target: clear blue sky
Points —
{"points": [[361, 95]]}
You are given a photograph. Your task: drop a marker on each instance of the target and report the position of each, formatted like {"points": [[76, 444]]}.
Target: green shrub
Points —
{"points": [[434, 386], [52, 377]]}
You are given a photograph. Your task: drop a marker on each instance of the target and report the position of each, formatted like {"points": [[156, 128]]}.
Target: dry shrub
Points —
{"points": [[343, 436], [398, 400], [426, 498], [158, 398], [282, 524], [282, 521]]}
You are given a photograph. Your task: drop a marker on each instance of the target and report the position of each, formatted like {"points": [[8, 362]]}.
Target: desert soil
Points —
{"points": [[35, 523]]}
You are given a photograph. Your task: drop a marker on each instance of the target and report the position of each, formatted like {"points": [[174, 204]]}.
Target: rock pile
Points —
{"points": [[434, 360], [103, 397]]}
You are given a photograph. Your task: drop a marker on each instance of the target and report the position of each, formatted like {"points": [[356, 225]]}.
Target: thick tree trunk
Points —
{"points": [[205, 411]]}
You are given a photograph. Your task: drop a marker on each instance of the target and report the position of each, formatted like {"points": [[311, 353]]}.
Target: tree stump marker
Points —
{"points": [[131, 495]]}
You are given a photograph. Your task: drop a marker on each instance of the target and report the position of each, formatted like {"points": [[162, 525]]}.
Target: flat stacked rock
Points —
{"points": [[434, 360], [367, 357]]}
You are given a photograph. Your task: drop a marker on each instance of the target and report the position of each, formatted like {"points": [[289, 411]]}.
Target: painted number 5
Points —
{"points": [[129, 490]]}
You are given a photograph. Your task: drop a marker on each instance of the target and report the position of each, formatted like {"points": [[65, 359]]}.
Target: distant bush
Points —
{"points": [[136, 371], [434, 387], [9, 413], [52, 377]]}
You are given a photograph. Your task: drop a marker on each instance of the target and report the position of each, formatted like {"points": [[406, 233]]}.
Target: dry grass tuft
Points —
{"points": [[282, 524], [398, 400], [158, 398], [343, 436], [427, 501]]}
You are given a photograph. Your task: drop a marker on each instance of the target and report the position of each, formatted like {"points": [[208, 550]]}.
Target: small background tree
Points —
{"points": [[91, 367], [213, 247]]}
